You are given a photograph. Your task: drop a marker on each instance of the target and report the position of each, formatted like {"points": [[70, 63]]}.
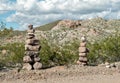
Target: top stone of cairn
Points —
{"points": [[83, 39], [30, 27]]}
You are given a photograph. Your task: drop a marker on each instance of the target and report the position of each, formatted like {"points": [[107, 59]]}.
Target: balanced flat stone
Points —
{"points": [[31, 31], [82, 49], [32, 42], [30, 36], [83, 59], [83, 44], [32, 48], [82, 54], [27, 59], [32, 53]]}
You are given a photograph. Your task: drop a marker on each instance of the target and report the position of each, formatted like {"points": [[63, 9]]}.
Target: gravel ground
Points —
{"points": [[63, 74]]}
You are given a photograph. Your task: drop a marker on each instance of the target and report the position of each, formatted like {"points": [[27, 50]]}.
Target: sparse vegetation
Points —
{"points": [[13, 54], [52, 54], [4, 31], [107, 50]]}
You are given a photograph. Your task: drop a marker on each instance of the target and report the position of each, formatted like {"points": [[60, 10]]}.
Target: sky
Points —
{"points": [[20, 13]]}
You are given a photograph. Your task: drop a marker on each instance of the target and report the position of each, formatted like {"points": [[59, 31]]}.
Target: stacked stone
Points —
{"points": [[31, 59], [83, 52]]}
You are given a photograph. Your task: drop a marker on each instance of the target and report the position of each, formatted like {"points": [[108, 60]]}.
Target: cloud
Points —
{"points": [[38, 12], [5, 6]]}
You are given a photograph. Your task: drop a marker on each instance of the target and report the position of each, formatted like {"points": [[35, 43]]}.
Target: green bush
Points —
{"points": [[107, 50], [14, 54], [52, 55]]}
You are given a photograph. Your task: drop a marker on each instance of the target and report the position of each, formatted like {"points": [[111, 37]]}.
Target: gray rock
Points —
{"points": [[27, 66], [30, 27], [37, 65], [83, 44], [82, 54], [36, 59], [113, 65], [27, 59], [83, 59], [82, 49], [32, 42], [30, 36], [32, 48], [31, 31], [83, 39], [32, 53]]}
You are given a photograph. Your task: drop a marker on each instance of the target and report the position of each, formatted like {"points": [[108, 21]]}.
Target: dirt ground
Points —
{"points": [[63, 74]]}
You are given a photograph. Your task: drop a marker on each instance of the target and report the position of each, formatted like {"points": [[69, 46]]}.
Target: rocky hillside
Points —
{"points": [[60, 44], [66, 31]]}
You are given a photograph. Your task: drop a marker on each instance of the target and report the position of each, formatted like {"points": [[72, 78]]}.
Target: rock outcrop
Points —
{"points": [[69, 23]]}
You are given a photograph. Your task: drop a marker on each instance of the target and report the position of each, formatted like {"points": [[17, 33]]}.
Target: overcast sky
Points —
{"points": [[19, 13]]}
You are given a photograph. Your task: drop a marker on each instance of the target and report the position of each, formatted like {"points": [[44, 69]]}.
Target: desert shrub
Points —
{"points": [[14, 54], [105, 50], [52, 55], [5, 32]]}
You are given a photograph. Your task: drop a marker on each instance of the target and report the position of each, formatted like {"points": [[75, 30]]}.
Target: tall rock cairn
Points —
{"points": [[31, 59], [83, 52]]}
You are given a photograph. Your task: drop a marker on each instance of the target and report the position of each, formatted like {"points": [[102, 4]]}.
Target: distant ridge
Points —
{"points": [[48, 26]]}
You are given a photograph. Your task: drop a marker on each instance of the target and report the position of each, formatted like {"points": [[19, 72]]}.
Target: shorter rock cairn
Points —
{"points": [[31, 59], [83, 52]]}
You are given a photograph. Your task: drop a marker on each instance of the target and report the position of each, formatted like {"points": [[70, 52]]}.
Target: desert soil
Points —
{"points": [[63, 74]]}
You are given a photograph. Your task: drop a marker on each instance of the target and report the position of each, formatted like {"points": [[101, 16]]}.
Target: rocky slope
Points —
{"points": [[67, 31]]}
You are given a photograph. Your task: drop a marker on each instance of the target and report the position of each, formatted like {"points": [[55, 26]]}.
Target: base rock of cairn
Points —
{"points": [[31, 59]]}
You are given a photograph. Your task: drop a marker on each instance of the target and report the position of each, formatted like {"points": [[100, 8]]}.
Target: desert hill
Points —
{"points": [[62, 31]]}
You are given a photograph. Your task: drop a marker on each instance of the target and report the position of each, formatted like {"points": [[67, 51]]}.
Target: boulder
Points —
{"points": [[27, 66], [37, 65]]}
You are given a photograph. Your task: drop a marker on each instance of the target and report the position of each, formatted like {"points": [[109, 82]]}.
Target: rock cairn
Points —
{"points": [[31, 59], [83, 52]]}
